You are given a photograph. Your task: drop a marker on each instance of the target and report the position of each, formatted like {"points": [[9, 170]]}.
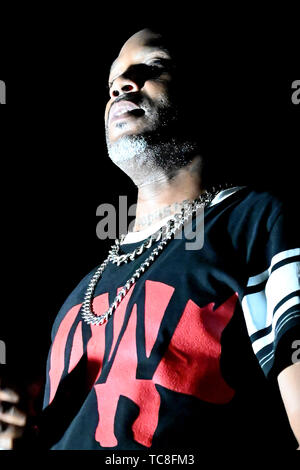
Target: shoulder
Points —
{"points": [[252, 197], [252, 205], [251, 218], [267, 206]]}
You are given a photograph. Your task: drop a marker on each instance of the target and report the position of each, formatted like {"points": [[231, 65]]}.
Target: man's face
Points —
{"points": [[139, 82]]}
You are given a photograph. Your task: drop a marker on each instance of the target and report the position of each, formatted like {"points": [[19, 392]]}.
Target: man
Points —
{"points": [[164, 345]]}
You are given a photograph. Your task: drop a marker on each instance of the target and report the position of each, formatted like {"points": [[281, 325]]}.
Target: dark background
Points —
{"points": [[56, 172]]}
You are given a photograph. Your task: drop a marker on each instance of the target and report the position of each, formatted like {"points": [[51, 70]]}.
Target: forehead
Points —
{"points": [[138, 46]]}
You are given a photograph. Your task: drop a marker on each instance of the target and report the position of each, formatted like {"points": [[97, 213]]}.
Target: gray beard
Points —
{"points": [[148, 157]]}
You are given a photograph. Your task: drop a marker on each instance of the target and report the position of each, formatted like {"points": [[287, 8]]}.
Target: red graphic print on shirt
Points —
{"points": [[190, 365]]}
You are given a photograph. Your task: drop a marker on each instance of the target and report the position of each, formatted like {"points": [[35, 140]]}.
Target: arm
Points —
{"points": [[289, 386]]}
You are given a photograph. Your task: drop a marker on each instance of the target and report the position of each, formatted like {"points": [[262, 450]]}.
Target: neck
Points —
{"points": [[163, 195]]}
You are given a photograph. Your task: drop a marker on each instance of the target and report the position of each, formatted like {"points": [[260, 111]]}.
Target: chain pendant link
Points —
{"points": [[165, 234]]}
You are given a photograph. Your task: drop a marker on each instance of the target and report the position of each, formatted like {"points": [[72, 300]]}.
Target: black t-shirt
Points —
{"points": [[190, 357]]}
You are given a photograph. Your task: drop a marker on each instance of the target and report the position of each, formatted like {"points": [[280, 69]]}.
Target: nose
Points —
{"points": [[124, 84], [132, 80]]}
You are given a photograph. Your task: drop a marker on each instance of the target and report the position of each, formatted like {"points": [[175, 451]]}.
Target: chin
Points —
{"points": [[128, 128], [115, 137]]}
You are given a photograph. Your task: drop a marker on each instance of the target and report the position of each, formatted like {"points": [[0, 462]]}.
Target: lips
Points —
{"points": [[121, 108]]}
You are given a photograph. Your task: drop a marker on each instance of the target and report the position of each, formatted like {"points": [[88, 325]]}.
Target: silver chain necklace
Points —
{"points": [[164, 234]]}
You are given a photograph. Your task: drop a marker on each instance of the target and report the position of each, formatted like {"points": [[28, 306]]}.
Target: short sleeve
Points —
{"points": [[271, 301]]}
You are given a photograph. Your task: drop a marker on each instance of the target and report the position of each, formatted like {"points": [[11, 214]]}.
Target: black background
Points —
{"points": [[55, 169]]}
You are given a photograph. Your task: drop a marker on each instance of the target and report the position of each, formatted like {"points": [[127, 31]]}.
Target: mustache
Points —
{"points": [[134, 97]]}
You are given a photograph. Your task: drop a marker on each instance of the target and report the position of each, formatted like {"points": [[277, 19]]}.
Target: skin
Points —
{"points": [[289, 386], [166, 189], [125, 77]]}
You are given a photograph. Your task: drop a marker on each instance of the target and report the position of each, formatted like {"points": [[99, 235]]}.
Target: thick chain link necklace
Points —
{"points": [[164, 234]]}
